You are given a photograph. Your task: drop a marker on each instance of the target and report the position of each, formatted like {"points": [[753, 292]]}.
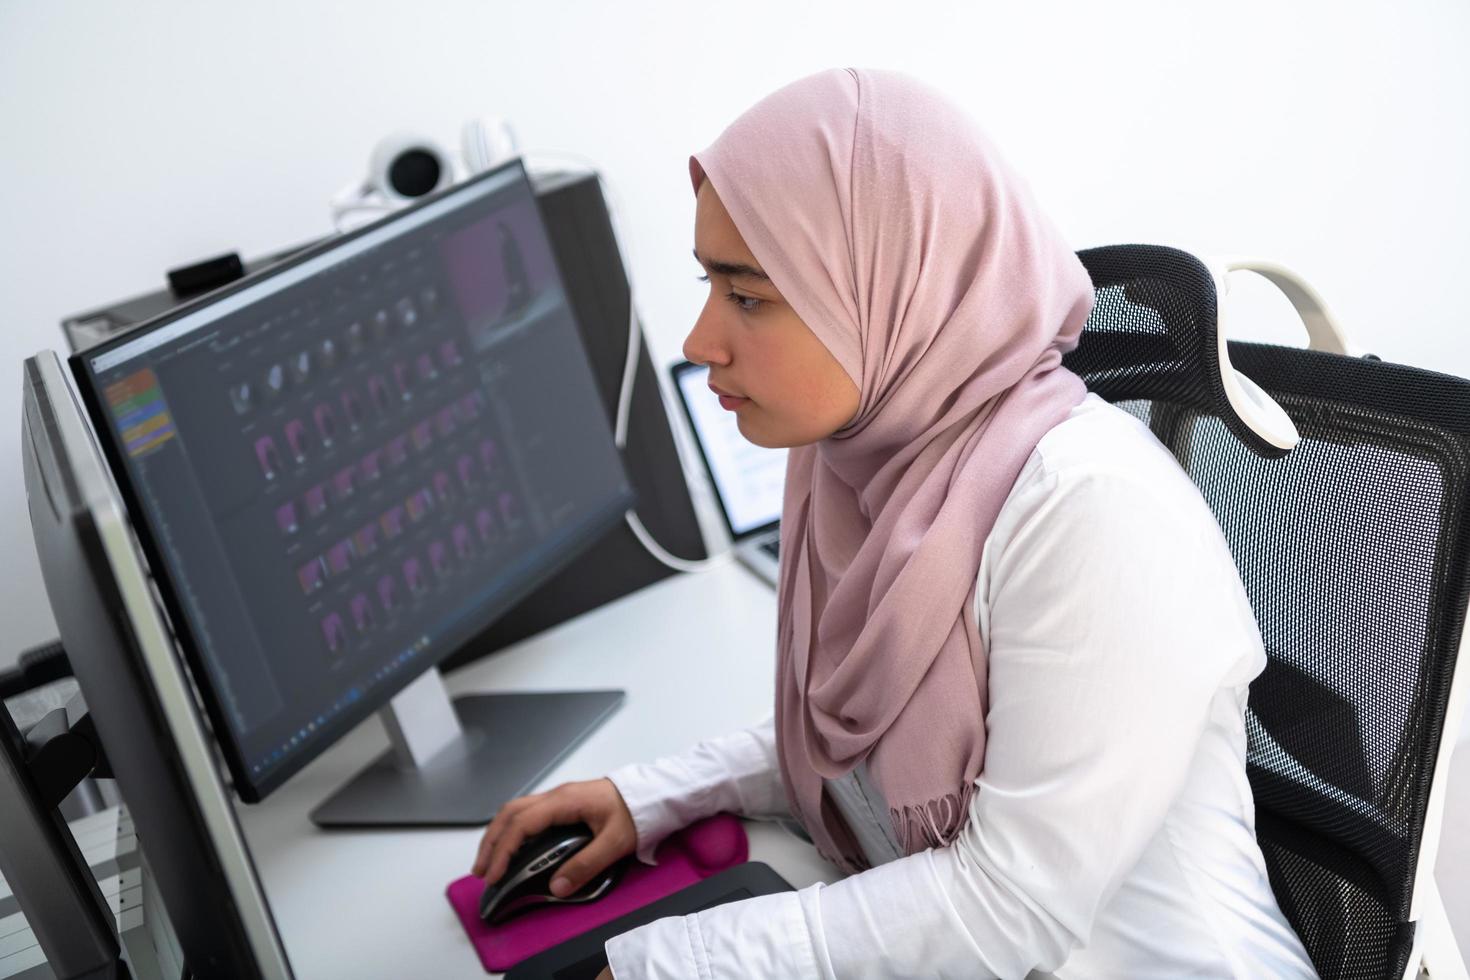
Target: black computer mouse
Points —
{"points": [[526, 884]]}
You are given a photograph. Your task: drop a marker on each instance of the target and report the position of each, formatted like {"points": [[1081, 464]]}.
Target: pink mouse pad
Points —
{"points": [[691, 855]]}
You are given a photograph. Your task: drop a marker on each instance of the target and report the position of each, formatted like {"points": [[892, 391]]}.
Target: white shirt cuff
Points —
{"points": [[645, 790]]}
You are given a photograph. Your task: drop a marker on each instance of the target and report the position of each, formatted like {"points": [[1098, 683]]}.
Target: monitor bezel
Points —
{"points": [[677, 370], [183, 792], [250, 787]]}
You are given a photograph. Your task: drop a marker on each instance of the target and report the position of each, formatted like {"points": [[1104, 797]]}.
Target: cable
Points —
{"points": [[353, 199], [625, 385], [620, 438]]}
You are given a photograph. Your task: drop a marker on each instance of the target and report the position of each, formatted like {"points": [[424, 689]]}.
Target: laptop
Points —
{"points": [[747, 479]]}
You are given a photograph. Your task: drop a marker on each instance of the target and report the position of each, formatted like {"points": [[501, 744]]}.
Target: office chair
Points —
{"points": [[1354, 547]]}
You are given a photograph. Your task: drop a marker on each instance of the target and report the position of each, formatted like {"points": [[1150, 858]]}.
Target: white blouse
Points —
{"points": [[1112, 831]]}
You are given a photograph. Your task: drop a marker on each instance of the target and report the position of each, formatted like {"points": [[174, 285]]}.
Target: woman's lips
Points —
{"points": [[728, 401]]}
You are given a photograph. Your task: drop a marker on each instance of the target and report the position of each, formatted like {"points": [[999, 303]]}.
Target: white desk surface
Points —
{"points": [[696, 655]]}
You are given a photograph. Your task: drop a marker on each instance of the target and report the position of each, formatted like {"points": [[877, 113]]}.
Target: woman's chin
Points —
{"points": [[759, 431], [754, 432]]}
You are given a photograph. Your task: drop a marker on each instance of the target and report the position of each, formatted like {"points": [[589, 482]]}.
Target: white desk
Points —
{"points": [[695, 654]]}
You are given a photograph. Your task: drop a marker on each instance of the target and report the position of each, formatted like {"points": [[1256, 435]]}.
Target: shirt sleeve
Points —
{"points": [[734, 773], [1115, 615]]}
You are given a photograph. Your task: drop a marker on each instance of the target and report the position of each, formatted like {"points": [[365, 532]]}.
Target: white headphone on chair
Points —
{"points": [[405, 166], [1256, 408]]}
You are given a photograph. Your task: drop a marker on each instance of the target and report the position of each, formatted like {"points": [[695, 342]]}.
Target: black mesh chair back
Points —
{"points": [[1353, 549]]}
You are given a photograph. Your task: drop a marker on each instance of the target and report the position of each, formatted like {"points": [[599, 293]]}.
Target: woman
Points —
{"points": [[1012, 648]]}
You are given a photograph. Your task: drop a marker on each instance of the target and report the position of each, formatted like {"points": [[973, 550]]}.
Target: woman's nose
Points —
{"points": [[704, 344]]}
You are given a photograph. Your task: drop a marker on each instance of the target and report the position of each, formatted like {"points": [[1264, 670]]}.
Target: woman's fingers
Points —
{"points": [[595, 802], [604, 849], [536, 816], [493, 831], [488, 838], [521, 825]]}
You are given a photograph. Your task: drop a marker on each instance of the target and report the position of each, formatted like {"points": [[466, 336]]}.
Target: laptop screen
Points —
{"points": [[748, 479]]}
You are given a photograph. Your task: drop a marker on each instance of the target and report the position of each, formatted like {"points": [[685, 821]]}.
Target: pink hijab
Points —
{"points": [[895, 230]]}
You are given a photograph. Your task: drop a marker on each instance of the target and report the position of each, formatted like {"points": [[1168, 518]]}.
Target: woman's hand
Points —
{"points": [[606, 974], [596, 802]]}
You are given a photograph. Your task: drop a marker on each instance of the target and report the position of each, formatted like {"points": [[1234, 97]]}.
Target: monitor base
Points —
{"points": [[509, 742]]}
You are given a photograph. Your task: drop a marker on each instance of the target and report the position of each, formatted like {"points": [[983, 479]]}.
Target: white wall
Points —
{"points": [[140, 136]]}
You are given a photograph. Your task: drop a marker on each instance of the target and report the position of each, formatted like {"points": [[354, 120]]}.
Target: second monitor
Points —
{"points": [[343, 468]]}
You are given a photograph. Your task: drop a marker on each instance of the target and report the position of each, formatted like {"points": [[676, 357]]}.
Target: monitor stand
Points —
{"points": [[452, 764]]}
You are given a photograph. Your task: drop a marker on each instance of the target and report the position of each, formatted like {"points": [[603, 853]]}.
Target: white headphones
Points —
{"points": [[406, 166], [1256, 408]]}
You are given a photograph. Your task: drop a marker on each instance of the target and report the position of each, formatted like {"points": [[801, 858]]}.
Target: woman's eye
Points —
{"points": [[737, 299], [740, 302]]}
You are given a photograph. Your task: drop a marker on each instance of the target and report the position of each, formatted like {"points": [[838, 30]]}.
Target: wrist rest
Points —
{"points": [[690, 855]]}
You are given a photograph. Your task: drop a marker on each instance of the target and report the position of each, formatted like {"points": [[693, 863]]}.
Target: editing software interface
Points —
{"points": [[353, 466]]}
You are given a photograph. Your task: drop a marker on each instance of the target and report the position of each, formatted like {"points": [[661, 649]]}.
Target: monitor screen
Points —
{"points": [[345, 467], [748, 479]]}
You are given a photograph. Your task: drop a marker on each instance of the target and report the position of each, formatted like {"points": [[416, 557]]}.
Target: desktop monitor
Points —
{"points": [[344, 467], [138, 694]]}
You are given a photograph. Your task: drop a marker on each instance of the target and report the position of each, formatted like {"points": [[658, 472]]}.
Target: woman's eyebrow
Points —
{"points": [[731, 269]]}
